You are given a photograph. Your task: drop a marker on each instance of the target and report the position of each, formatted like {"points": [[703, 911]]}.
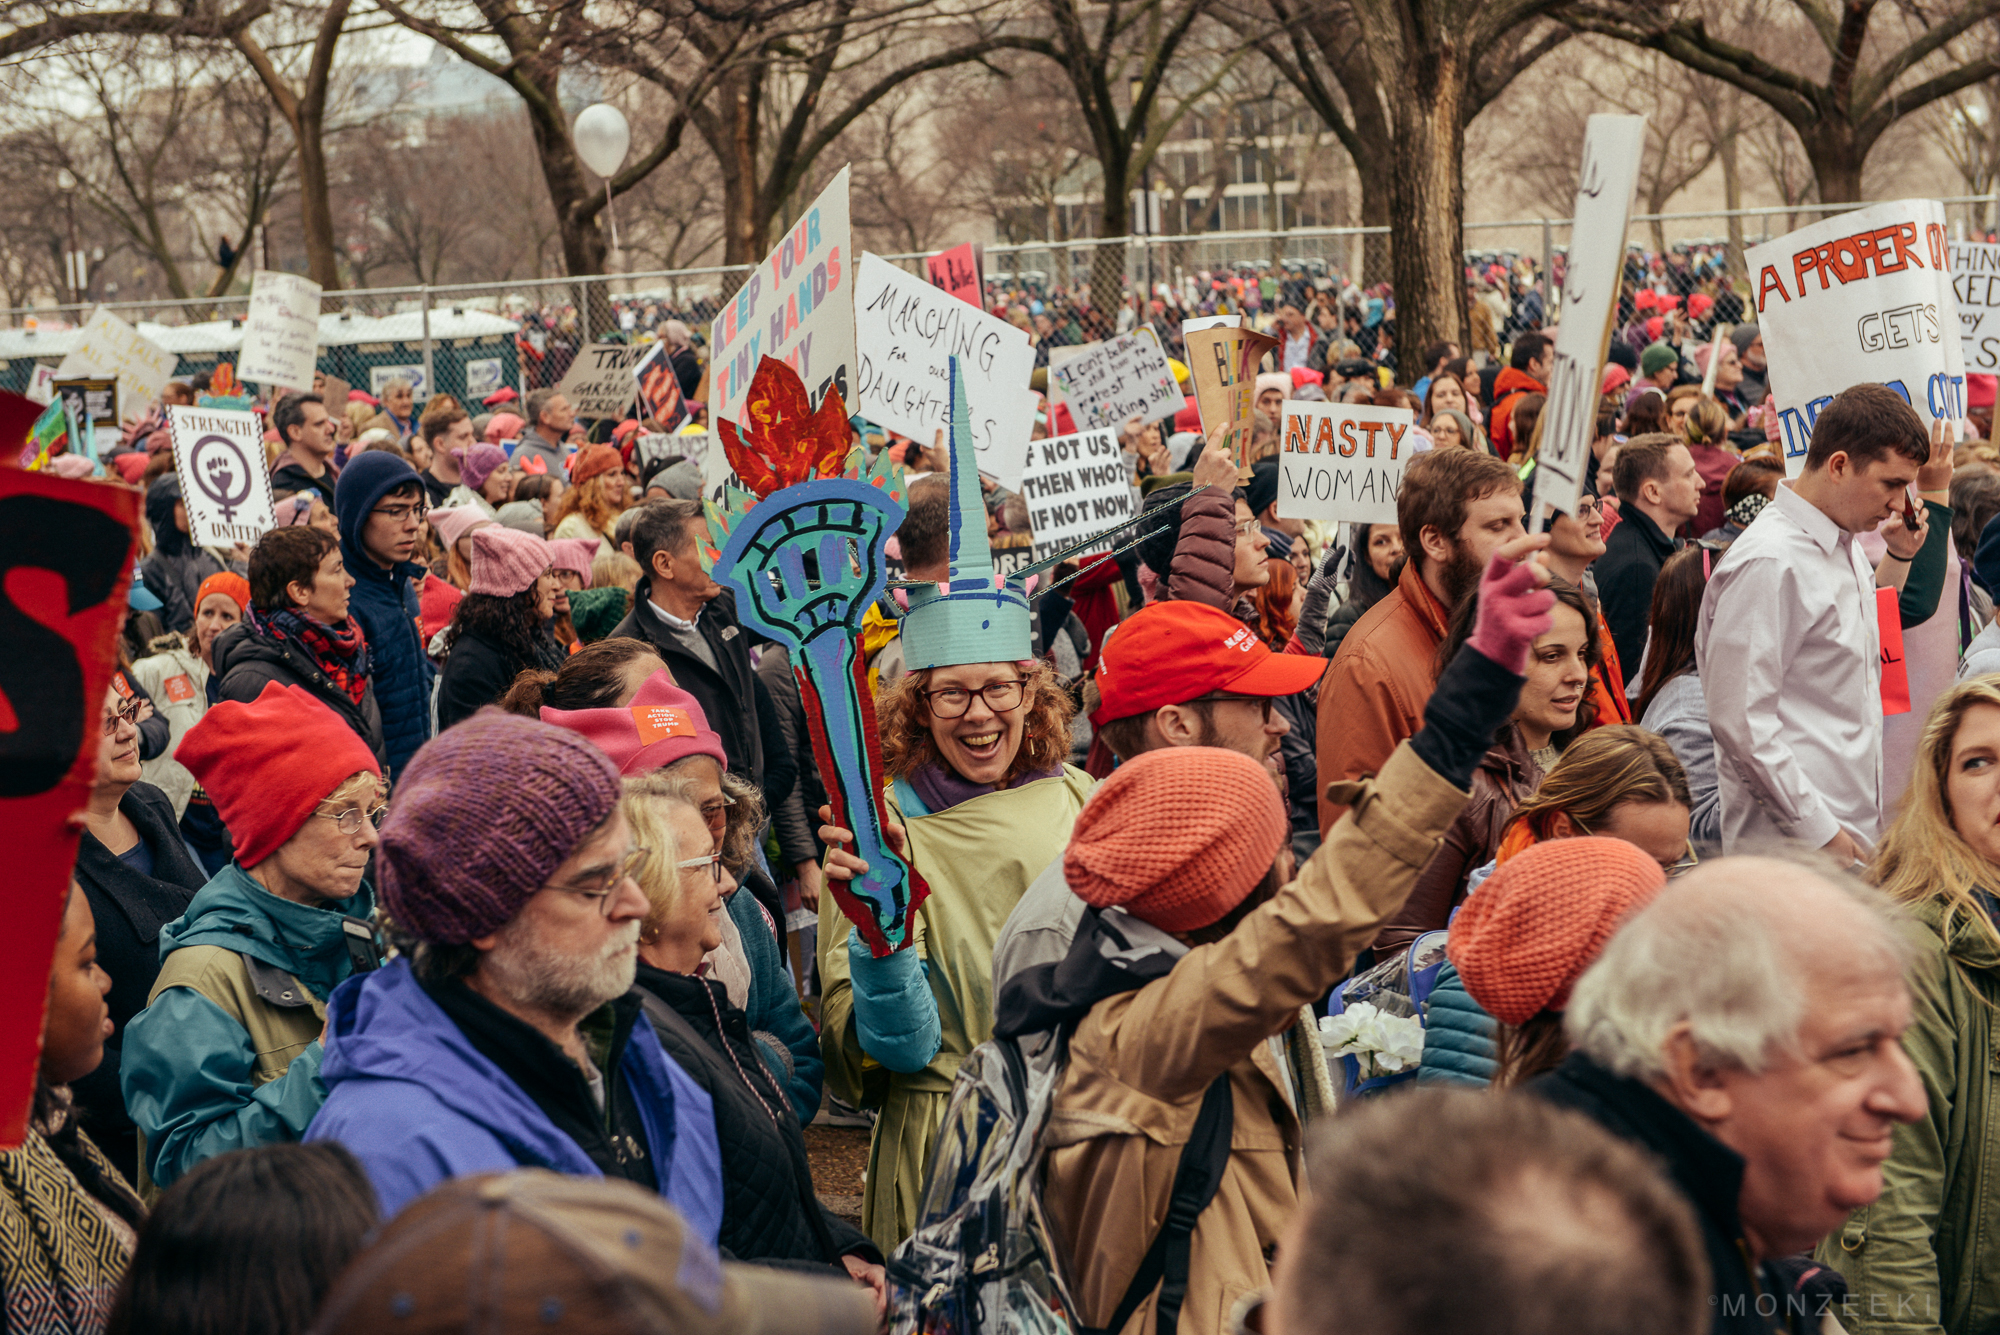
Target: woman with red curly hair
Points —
{"points": [[973, 741]]}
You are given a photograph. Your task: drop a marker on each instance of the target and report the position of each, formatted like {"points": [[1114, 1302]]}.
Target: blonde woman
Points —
{"points": [[769, 1211], [1927, 1239]]}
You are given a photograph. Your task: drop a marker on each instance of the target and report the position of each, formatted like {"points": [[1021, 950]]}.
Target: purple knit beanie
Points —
{"points": [[477, 464], [482, 817]]}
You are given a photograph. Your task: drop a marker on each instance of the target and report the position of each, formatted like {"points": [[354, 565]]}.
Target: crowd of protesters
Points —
{"points": [[456, 939]]}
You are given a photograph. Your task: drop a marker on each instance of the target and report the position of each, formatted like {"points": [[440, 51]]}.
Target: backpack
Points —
{"points": [[1399, 985], [982, 1259]]}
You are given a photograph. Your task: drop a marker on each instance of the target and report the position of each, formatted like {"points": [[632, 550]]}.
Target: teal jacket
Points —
{"points": [[1458, 1036], [226, 1056]]}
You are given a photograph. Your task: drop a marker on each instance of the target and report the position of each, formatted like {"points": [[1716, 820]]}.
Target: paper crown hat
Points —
{"points": [[975, 617]]}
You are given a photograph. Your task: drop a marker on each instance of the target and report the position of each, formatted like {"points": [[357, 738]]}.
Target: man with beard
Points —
{"points": [[1456, 508], [506, 1034]]}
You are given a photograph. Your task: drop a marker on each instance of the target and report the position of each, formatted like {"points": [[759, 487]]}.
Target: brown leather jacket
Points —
{"points": [[1506, 776], [1140, 1062]]}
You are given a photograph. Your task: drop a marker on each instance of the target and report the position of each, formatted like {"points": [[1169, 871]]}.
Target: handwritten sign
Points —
{"points": [[1342, 461], [1860, 297], [1612, 147], [281, 333], [957, 272], [107, 346], [1075, 486], [1122, 377], [1223, 361], [907, 331], [599, 383], [1975, 281], [797, 306], [219, 456], [1895, 671]]}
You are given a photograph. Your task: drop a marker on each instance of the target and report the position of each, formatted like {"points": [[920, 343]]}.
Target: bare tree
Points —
{"points": [[1965, 127], [28, 27], [302, 100]]}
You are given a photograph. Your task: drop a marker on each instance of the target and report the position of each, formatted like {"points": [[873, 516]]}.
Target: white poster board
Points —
{"points": [[1612, 147], [1860, 297], [1342, 461], [41, 385], [599, 382], [281, 333], [219, 457], [107, 346], [1975, 281], [1120, 378], [908, 331], [1076, 486], [797, 306]]}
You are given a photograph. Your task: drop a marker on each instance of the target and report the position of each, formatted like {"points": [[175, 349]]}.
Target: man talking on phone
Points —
{"points": [[1788, 645]]}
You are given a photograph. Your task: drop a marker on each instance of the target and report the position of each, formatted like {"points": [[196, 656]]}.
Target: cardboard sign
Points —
{"points": [[659, 388], [1895, 672], [1612, 147], [1975, 281], [1342, 461], [66, 554], [1864, 296], [1075, 486], [107, 346], [281, 332], [957, 272], [797, 306], [1223, 361], [1121, 378], [219, 456], [908, 331], [599, 382]]}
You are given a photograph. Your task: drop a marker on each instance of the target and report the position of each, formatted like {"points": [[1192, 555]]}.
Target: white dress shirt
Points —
{"points": [[1791, 665], [1298, 351]]}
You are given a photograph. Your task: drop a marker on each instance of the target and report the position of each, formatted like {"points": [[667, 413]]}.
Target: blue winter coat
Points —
{"points": [[385, 602], [1458, 1036], [785, 1038], [412, 1098]]}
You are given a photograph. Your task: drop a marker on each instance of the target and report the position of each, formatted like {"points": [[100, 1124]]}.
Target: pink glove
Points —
{"points": [[1513, 610]]}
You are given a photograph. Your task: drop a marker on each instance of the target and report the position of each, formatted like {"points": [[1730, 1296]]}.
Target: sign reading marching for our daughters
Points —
{"points": [[219, 455], [1865, 296], [1342, 461], [1075, 486]]}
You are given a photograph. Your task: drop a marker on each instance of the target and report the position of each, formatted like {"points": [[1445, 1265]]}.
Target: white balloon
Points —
{"points": [[602, 138]]}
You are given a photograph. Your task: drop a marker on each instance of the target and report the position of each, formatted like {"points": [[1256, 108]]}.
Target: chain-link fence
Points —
{"points": [[471, 339]]}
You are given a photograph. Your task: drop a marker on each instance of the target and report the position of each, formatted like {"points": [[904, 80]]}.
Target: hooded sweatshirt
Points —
{"points": [[387, 605], [175, 570], [226, 1055], [411, 1097]]}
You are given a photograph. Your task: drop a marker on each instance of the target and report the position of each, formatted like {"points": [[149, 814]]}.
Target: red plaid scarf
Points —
{"points": [[341, 653]]}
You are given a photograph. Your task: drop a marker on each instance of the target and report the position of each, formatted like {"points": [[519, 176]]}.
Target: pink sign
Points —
{"points": [[957, 272]]}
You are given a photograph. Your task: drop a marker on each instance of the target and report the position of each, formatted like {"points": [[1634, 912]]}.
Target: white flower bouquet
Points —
{"points": [[1381, 1043]]}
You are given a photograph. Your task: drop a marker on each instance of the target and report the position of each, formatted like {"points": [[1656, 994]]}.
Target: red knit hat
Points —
{"points": [[592, 460], [662, 724], [229, 584], [269, 764], [1177, 836], [1527, 934]]}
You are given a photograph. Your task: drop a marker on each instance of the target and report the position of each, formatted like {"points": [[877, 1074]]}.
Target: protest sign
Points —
{"points": [[1862, 297], [49, 434], [219, 456], [1122, 377], [42, 385], [1612, 147], [107, 346], [66, 553], [957, 272], [380, 376], [1975, 281], [1201, 322], [1895, 672], [908, 331], [599, 382], [1342, 461], [659, 387], [1059, 357], [281, 332], [96, 399], [1075, 486], [1222, 359], [797, 306]]}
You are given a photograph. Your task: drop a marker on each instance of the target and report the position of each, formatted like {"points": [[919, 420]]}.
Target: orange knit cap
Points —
{"points": [[1177, 836], [1526, 935]]}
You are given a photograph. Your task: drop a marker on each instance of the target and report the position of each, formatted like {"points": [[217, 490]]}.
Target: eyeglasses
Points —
{"points": [[348, 822], [398, 514], [1245, 529], [604, 885], [126, 712], [1219, 698], [717, 809], [953, 701], [1686, 863], [1587, 508], [713, 862]]}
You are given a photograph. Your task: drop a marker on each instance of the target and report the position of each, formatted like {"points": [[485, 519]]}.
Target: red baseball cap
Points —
{"points": [[1170, 653]]}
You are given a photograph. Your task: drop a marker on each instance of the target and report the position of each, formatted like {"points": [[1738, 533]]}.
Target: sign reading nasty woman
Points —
{"points": [[1342, 461], [219, 455]]}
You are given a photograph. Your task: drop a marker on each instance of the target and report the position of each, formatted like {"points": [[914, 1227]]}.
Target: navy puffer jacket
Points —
{"points": [[385, 602]]}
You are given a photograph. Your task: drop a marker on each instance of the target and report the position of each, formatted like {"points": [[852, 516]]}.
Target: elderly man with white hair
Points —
{"points": [[1746, 1028]]}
